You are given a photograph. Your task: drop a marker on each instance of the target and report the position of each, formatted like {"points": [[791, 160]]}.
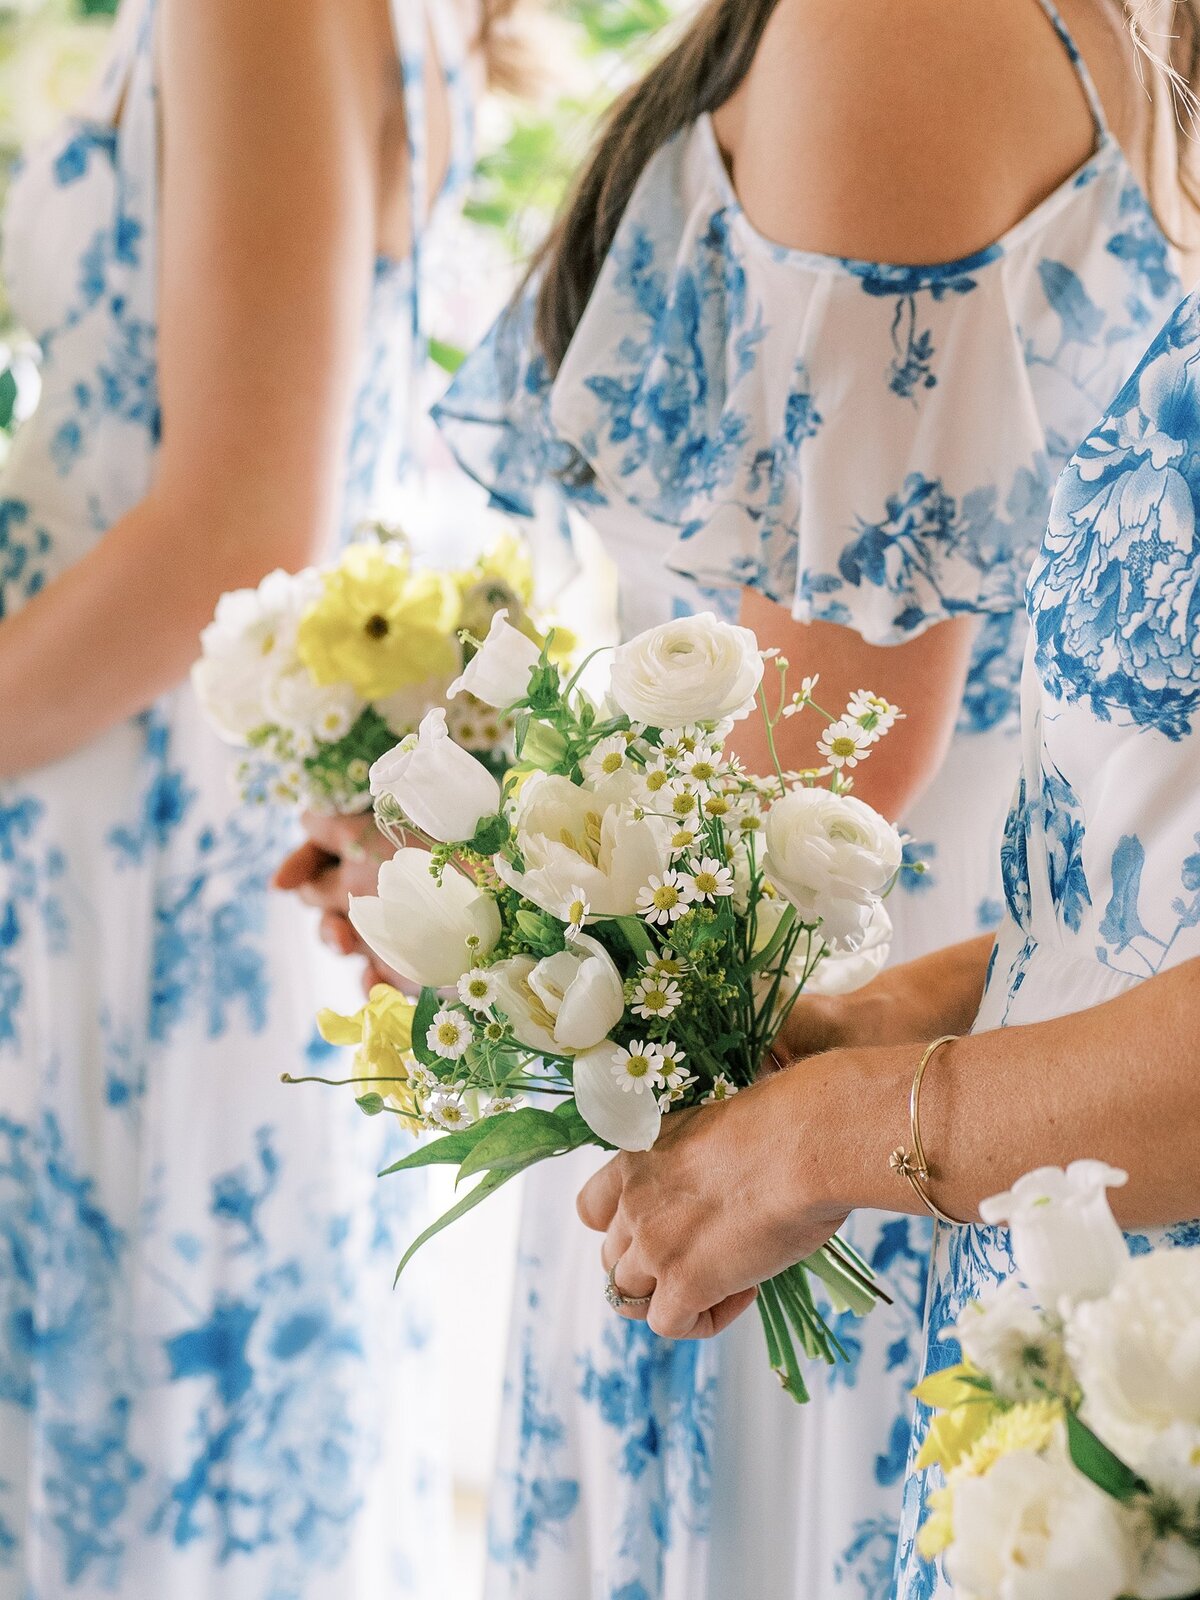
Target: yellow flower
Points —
{"points": [[379, 626], [937, 1531], [382, 1031], [966, 1414]]}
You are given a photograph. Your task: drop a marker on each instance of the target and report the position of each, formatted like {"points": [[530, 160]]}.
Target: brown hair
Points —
{"points": [[701, 72], [1171, 40]]}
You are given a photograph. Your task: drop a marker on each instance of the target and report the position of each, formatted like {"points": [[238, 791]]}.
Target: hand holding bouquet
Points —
{"points": [[1070, 1433], [318, 673], [624, 929]]}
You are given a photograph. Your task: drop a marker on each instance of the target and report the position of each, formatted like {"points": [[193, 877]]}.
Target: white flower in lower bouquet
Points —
{"points": [[1069, 1435], [629, 927], [317, 674]]}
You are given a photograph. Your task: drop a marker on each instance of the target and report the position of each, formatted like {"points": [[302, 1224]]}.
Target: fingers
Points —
{"points": [[616, 1244], [303, 866], [337, 933], [599, 1198]]}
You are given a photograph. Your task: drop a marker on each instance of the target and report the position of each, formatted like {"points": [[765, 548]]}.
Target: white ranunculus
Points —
{"points": [[404, 710], [499, 671], [625, 1121], [439, 787], [1065, 1240], [248, 644], [309, 711], [1136, 1353], [576, 837], [834, 858], [1006, 1336], [1034, 1528], [424, 929], [693, 669], [842, 972], [565, 1003]]}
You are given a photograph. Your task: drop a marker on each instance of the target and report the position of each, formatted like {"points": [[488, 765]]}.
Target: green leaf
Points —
{"points": [[449, 357], [446, 1151], [428, 1007], [370, 1104], [636, 936], [579, 1132], [516, 1140], [486, 1186], [1097, 1462], [491, 835]]}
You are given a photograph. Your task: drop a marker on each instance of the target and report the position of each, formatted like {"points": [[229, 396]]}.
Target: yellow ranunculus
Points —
{"points": [[382, 1031], [380, 626], [966, 1414]]}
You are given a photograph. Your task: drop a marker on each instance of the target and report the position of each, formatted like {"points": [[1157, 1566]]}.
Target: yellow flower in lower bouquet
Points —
{"points": [[382, 1032], [380, 625]]}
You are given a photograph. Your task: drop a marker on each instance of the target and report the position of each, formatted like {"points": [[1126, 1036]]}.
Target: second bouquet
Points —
{"points": [[622, 929]]}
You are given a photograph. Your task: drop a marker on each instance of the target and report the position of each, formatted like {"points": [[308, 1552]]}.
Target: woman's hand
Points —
{"points": [[726, 1199], [340, 857]]}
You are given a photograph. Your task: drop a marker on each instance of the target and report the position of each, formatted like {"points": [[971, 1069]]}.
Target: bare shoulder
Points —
{"points": [[908, 130]]}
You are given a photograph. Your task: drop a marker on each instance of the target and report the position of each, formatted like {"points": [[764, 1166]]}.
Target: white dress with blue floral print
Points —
{"points": [[1101, 854], [207, 1386], [873, 446]]}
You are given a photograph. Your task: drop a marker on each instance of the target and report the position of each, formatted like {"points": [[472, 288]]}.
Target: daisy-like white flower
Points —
{"points": [[711, 880], [638, 1067], [872, 713], [682, 799], [675, 743], [845, 744], [702, 766], [723, 1088], [503, 1104], [656, 779], [446, 1110], [721, 804], [804, 697], [449, 1035], [575, 912], [495, 1032], [422, 1081], [666, 964], [677, 1079], [656, 997], [477, 989], [609, 756], [683, 839], [664, 900]]}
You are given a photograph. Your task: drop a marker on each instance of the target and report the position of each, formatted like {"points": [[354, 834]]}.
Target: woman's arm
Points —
{"points": [[271, 124], [733, 1193]]}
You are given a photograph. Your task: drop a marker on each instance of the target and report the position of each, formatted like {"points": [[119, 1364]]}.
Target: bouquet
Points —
{"points": [[1070, 1433], [624, 927], [318, 673]]}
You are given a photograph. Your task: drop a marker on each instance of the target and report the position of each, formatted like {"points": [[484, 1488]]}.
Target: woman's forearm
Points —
{"points": [[121, 626], [1117, 1082]]}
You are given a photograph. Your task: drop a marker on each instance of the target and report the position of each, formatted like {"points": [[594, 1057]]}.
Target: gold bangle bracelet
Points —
{"points": [[915, 1168]]}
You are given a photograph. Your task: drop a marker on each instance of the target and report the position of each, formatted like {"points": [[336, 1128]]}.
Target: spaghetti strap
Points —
{"points": [[1080, 65]]}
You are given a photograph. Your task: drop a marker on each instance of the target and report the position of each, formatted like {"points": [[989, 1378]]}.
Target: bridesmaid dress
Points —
{"points": [[873, 446], [207, 1385]]}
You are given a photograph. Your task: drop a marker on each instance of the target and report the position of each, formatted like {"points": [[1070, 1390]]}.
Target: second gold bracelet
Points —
{"points": [[915, 1168]]}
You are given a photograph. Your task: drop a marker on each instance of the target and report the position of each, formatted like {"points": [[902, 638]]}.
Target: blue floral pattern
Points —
{"points": [[1102, 856], [207, 1384]]}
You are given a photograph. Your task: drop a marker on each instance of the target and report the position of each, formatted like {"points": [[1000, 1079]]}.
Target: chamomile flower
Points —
{"points": [[503, 1104], [495, 1032], [575, 912], [682, 799], [845, 744], [666, 964], [701, 766], [656, 997], [637, 1067], [665, 899], [873, 713], [477, 989], [683, 839], [446, 1110], [723, 1088], [609, 757], [657, 777], [803, 697], [710, 879], [677, 1079], [422, 1082], [675, 743], [449, 1035]]}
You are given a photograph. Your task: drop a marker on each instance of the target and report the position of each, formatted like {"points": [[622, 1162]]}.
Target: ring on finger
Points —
{"points": [[616, 1299]]}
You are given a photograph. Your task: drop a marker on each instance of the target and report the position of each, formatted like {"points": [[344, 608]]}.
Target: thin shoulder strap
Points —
{"points": [[1080, 65]]}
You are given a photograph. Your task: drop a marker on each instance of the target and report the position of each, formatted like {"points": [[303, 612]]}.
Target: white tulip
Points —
{"points": [[844, 971], [693, 669], [1136, 1353], [625, 1121], [1034, 1528], [576, 837], [1006, 1336], [1065, 1241], [563, 1004], [499, 671], [429, 932], [834, 858], [441, 789]]}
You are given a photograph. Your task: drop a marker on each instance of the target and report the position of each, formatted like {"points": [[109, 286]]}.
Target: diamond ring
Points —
{"points": [[616, 1299]]}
